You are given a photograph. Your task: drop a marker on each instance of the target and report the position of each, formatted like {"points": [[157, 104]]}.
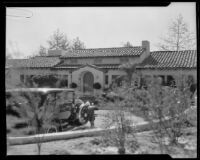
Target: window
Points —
{"points": [[114, 77], [22, 78], [97, 60], [65, 77], [64, 81], [170, 80], [117, 80], [163, 79], [106, 79]]}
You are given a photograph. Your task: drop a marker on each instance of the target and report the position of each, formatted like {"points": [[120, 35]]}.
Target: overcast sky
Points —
{"points": [[97, 27]]}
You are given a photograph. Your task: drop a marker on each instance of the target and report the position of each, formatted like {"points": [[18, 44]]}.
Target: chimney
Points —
{"points": [[55, 52], [146, 53], [146, 46]]}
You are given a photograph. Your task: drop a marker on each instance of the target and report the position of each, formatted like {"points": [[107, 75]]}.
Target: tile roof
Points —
{"points": [[100, 66], [15, 62], [105, 52], [171, 59], [35, 62], [157, 59]]}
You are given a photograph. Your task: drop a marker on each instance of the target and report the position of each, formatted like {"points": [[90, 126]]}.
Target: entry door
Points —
{"points": [[88, 80]]}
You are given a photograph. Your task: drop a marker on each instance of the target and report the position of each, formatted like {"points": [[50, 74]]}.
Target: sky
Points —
{"points": [[97, 27]]}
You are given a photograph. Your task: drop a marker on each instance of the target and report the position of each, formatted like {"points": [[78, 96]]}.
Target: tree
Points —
{"points": [[58, 41], [77, 44], [37, 110], [167, 105], [42, 51], [130, 69], [166, 109], [128, 44], [179, 37], [120, 137]]}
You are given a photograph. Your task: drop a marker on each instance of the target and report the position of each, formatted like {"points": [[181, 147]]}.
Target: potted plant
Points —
{"points": [[73, 85], [97, 85]]}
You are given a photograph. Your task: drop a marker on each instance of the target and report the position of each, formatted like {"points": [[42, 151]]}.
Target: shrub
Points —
{"points": [[38, 112], [156, 102], [43, 80], [119, 136], [73, 85], [97, 85]]}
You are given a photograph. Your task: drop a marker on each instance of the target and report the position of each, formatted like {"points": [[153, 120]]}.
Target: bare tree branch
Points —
{"points": [[179, 37]]}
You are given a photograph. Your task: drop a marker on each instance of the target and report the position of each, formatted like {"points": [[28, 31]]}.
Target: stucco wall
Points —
{"points": [[15, 73], [43, 72], [99, 75], [174, 73], [12, 77], [113, 72], [78, 75], [108, 60]]}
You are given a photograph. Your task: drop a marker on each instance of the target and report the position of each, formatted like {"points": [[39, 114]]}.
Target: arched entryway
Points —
{"points": [[88, 80]]}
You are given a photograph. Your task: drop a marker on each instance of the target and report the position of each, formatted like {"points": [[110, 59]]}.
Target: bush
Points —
{"points": [[155, 103], [42, 80], [73, 85], [97, 85]]}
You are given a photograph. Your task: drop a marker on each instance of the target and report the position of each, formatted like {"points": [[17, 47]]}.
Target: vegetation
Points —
{"points": [[42, 51], [168, 105], [77, 44], [37, 111], [128, 44], [120, 137], [59, 41], [160, 103], [179, 37], [73, 85], [130, 69], [97, 85]]}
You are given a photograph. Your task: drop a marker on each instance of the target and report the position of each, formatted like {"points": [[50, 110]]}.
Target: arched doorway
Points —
{"points": [[88, 80]]}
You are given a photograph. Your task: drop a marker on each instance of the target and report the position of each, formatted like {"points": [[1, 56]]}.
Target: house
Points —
{"points": [[84, 67]]}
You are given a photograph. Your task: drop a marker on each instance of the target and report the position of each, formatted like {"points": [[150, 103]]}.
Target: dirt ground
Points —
{"points": [[93, 145]]}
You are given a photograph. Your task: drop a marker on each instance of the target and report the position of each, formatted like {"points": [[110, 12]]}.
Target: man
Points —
{"points": [[91, 115]]}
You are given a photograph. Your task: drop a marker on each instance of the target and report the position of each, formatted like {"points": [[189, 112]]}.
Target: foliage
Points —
{"points": [[46, 81], [119, 136], [73, 85], [77, 44], [41, 81], [37, 110], [42, 51], [165, 104], [97, 85], [179, 37], [121, 119], [130, 69], [61, 83], [59, 41], [128, 44], [161, 103]]}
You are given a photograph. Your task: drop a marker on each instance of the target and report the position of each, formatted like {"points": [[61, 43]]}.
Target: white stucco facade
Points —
{"points": [[102, 69]]}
